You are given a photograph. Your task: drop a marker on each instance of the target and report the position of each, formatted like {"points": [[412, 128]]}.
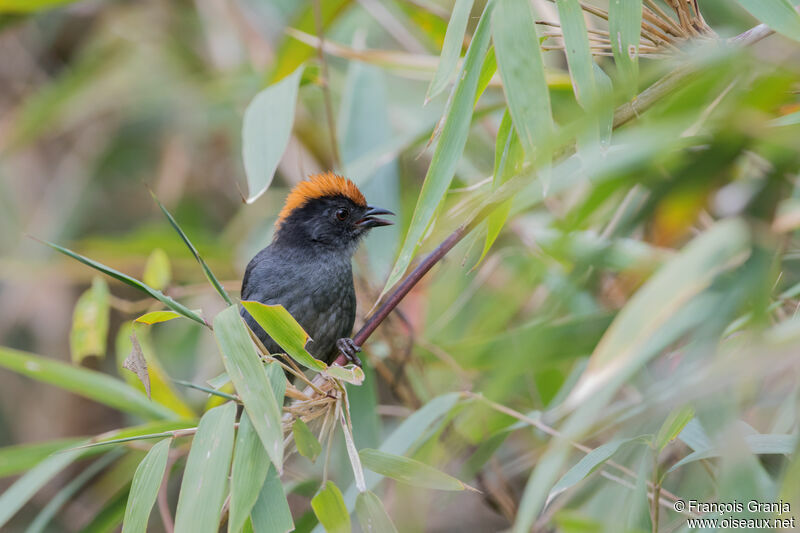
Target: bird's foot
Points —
{"points": [[349, 349]]}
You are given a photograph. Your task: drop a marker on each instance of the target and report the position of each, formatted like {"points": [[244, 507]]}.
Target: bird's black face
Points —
{"points": [[333, 221]]}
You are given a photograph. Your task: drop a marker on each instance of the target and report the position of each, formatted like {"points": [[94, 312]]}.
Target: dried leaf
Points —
{"points": [[136, 363]]}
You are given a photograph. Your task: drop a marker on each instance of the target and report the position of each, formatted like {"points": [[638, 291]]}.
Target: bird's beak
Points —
{"points": [[370, 220]]}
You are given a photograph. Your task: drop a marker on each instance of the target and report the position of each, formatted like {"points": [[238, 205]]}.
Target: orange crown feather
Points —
{"points": [[318, 186]]}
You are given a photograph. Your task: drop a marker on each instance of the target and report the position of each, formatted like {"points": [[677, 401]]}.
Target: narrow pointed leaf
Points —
{"points": [[455, 130], [156, 317], [284, 330], [271, 513], [22, 457], [588, 464], [29, 484], [205, 478], [508, 159], [673, 426], [266, 130], [624, 347], [144, 489], [405, 435], [624, 25], [372, 516], [578, 51], [519, 60], [252, 383], [87, 383], [451, 49], [408, 470], [135, 283], [249, 470], [207, 271], [64, 494], [328, 506]]}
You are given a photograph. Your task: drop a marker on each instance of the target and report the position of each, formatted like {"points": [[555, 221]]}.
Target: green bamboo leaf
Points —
{"points": [[87, 383], [759, 444], [307, 443], [284, 330], [508, 160], [249, 470], [624, 347], [135, 283], [455, 130], [156, 317], [588, 464], [409, 471], [146, 482], [372, 516], [451, 49], [780, 15], [251, 380], [579, 55], [29, 484], [157, 270], [656, 315], [204, 480], [519, 60], [207, 271], [404, 437], [69, 490], [271, 513], [624, 25], [89, 332], [488, 70], [266, 129], [22, 457], [328, 506], [673, 426]]}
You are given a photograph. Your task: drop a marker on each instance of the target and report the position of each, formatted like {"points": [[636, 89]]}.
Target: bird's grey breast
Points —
{"points": [[317, 289]]}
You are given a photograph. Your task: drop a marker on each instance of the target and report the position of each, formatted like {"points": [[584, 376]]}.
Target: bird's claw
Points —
{"points": [[349, 349]]}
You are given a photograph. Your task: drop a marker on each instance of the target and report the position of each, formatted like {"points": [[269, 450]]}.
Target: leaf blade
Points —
{"points": [[203, 486], [243, 364], [519, 60], [449, 148], [128, 280], [206, 270], [84, 382], [451, 49], [266, 130], [144, 489], [328, 506], [284, 330], [248, 473], [409, 471]]}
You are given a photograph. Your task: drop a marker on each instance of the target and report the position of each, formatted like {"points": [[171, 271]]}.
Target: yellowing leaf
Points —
{"points": [[157, 270], [90, 322], [284, 329]]}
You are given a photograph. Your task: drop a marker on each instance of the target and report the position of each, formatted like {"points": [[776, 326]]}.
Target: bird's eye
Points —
{"points": [[342, 213]]}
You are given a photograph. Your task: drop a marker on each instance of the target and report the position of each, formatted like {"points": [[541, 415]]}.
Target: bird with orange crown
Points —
{"points": [[307, 267]]}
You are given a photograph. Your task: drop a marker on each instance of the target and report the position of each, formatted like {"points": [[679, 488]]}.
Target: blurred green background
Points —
{"points": [[100, 100]]}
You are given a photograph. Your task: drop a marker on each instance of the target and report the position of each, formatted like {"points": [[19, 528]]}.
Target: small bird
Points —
{"points": [[307, 267]]}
